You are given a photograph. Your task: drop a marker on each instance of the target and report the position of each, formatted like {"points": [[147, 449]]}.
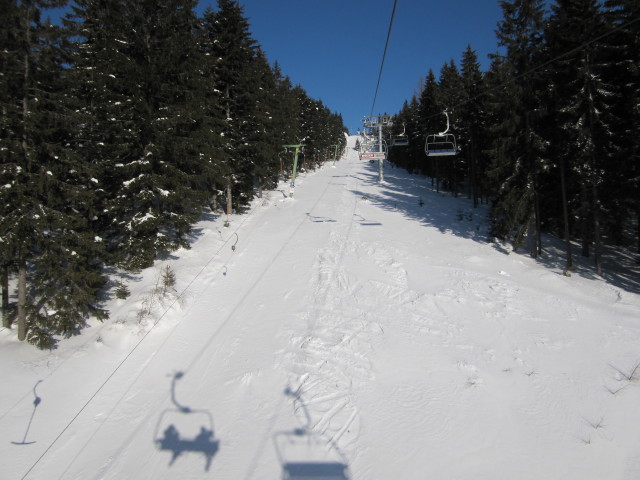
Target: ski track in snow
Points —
{"points": [[337, 333]]}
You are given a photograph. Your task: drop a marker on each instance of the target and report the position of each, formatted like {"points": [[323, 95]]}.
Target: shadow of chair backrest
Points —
{"points": [[183, 429], [314, 471], [307, 455]]}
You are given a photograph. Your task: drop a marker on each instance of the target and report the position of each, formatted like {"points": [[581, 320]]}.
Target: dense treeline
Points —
{"points": [[549, 134], [117, 129]]}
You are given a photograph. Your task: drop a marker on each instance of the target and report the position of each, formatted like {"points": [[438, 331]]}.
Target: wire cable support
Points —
{"points": [[538, 67], [384, 54]]}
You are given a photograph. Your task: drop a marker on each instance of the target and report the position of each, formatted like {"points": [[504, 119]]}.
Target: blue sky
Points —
{"points": [[333, 48]]}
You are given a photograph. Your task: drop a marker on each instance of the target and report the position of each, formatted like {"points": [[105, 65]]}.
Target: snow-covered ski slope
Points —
{"points": [[357, 331]]}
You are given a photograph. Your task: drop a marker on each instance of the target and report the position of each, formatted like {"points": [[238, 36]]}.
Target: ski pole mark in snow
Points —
{"points": [[328, 349]]}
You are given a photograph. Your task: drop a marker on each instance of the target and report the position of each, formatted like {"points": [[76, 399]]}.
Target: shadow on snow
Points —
{"points": [[183, 429], [413, 196], [305, 455]]}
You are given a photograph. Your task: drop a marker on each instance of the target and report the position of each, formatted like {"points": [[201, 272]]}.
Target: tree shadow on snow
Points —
{"points": [[182, 429], [414, 197]]}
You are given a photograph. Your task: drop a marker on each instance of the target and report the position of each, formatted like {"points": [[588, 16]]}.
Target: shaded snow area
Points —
{"points": [[356, 331]]}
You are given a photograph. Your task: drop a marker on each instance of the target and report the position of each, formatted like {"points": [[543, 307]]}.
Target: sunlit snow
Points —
{"points": [[355, 331]]}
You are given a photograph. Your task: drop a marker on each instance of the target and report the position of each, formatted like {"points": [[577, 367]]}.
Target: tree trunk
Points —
{"points": [[214, 199], [229, 199], [532, 236], [536, 199], [584, 200], [25, 99], [565, 213], [454, 177], [6, 321], [596, 231], [474, 180], [638, 231], [22, 302]]}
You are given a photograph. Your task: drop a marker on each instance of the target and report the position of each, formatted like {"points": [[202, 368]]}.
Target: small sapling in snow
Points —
{"points": [[122, 291]]}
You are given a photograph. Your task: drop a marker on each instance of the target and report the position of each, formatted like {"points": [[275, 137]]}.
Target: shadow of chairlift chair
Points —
{"points": [[182, 429], [441, 144], [305, 455]]}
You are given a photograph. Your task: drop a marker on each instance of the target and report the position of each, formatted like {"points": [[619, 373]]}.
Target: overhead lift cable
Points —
{"points": [[538, 67], [384, 54]]}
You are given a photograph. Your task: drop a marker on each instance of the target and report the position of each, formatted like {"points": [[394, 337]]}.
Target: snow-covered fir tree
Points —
{"points": [[518, 158], [141, 62], [47, 239]]}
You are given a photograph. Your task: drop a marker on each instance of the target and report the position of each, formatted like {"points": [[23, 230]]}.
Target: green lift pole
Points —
{"points": [[295, 167], [335, 154]]}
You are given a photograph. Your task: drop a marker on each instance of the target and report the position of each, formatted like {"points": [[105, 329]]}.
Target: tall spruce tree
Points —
{"points": [[45, 226], [142, 64], [235, 79], [406, 122], [519, 149], [10, 81], [622, 48], [286, 116], [472, 120], [584, 102], [430, 113], [450, 94], [216, 164]]}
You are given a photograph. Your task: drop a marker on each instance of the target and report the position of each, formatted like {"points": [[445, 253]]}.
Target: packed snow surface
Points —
{"points": [[359, 330]]}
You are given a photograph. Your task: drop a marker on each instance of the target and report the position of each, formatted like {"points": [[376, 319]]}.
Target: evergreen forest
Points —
{"points": [[549, 135], [119, 128], [121, 125]]}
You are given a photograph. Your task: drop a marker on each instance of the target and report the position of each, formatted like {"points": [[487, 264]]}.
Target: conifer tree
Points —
{"points": [[309, 125], [472, 122], [286, 116], [622, 47], [450, 94], [216, 164], [263, 138], [518, 151], [406, 120], [45, 227], [430, 118], [10, 79], [585, 112], [235, 79], [141, 60]]}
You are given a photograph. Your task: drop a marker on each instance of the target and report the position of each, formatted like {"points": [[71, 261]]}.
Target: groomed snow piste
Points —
{"points": [[359, 330]]}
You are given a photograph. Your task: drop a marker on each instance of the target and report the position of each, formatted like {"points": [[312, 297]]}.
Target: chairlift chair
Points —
{"points": [[400, 140], [441, 144], [374, 151]]}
